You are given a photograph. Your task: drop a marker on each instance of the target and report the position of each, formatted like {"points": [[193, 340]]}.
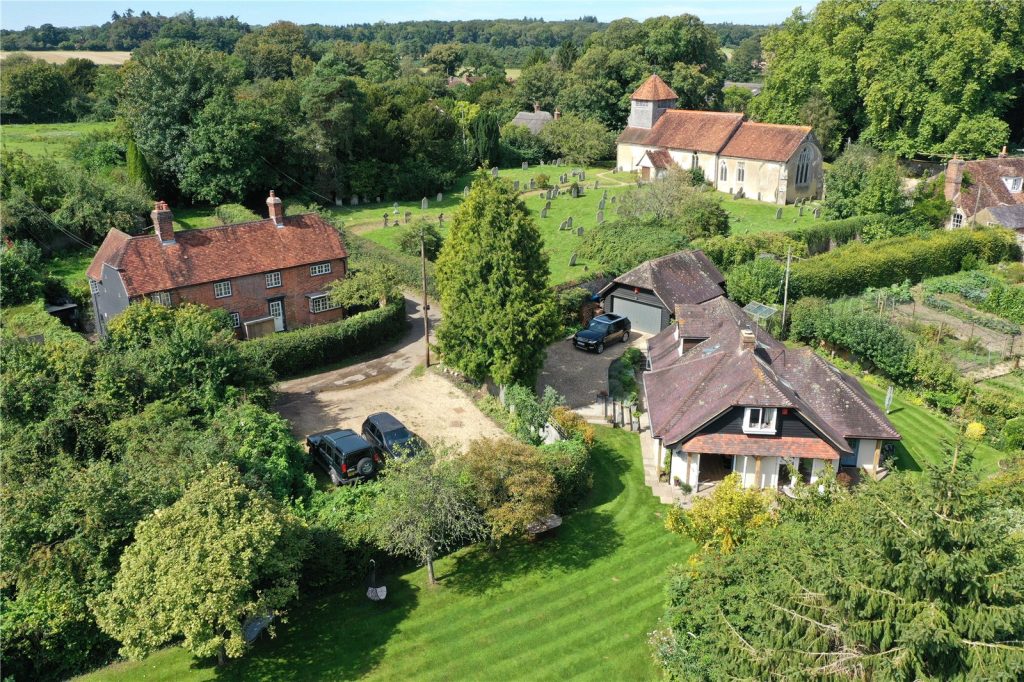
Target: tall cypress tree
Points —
{"points": [[499, 313], [486, 138], [138, 167]]}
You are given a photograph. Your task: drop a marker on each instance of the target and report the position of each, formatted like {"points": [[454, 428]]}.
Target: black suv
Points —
{"points": [[389, 435], [344, 455], [602, 330]]}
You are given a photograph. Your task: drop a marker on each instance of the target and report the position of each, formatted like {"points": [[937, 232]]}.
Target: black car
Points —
{"points": [[344, 455], [389, 435], [601, 331]]}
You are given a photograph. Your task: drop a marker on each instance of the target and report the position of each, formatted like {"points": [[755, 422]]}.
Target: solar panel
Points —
{"points": [[759, 311]]}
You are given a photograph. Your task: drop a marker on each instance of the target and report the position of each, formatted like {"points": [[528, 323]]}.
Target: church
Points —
{"points": [[768, 162]]}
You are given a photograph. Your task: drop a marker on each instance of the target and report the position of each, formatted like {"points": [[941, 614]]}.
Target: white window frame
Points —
{"points": [[765, 422], [321, 303], [94, 286], [273, 279], [1014, 183], [236, 320], [222, 289], [161, 297], [723, 172], [320, 269], [958, 220], [741, 171]]}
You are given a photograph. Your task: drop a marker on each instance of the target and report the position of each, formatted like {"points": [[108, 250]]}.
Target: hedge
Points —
{"points": [[848, 270], [830, 234], [294, 352], [363, 251]]}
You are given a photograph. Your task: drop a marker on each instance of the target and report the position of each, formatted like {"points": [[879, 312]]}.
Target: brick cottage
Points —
{"points": [[269, 275]]}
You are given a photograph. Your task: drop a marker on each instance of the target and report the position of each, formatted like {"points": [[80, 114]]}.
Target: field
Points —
{"points": [[61, 56], [54, 139], [576, 605]]}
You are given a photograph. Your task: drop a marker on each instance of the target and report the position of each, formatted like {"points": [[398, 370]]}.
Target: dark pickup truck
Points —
{"points": [[344, 455], [601, 331]]}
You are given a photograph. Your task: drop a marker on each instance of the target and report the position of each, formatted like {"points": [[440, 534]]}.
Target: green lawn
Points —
{"points": [[750, 215], [70, 267], [52, 139], [924, 434], [578, 605]]}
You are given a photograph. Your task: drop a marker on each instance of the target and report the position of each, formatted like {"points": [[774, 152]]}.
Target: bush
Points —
{"points": [[341, 535], [622, 245], [232, 214], [542, 180], [21, 277], [727, 252], [293, 352], [569, 462], [409, 242], [827, 235], [570, 306], [1013, 434], [571, 425], [364, 252], [848, 270], [757, 280]]}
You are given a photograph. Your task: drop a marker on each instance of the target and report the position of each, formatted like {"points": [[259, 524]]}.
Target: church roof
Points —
{"points": [[654, 88], [766, 141], [699, 131]]}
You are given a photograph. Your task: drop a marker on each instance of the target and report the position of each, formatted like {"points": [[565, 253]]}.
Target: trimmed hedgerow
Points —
{"points": [[294, 352], [850, 269], [827, 235]]}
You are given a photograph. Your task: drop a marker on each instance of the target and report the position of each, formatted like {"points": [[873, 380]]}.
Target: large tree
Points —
{"points": [[920, 576], [199, 568], [578, 140], [492, 273]]}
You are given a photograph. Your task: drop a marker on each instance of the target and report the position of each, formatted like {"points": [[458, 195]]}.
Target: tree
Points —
{"points": [[270, 53], [21, 278], [566, 55], [424, 507], [579, 141], [757, 280], [745, 63], [33, 91], [883, 189], [493, 278], [138, 167], [199, 568], [725, 518], [917, 577], [736, 99], [409, 242], [845, 180], [486, 146], [376, 284], [511, 485], [445, 56], [518, 143]]}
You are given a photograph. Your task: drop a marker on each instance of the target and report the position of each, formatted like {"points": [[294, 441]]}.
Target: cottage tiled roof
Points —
{"points": [[986, 179], [766, 141], [660, 158], [217, 253], [681, 277], [700, 131], [654, 89], [534, 120], [765, 446], [685, 392]]}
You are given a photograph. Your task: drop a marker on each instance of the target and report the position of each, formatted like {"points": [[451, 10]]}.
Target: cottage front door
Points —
{"points": [[277, 312]]}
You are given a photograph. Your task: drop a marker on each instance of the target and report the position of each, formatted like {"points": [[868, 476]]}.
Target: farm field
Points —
{"points": [[53, 139], [576, 605], [61, 56]]}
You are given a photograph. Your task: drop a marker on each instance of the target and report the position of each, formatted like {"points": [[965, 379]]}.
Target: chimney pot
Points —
{"points": [[275, 209], [163, 222]]}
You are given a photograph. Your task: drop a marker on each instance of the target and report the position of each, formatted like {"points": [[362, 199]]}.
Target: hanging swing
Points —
{"points": [[374, 590]]}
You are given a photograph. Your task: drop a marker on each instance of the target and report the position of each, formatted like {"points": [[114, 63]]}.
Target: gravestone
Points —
{"points": [[366, 200], [440, 197], [385, 220], [544, 212], [562, 226], [568, 222], [597, 183], [339, 202], [515, 185], [801, 212], [526, 165], [465, 191], [600, 205], [579, 231], [575, 192], [817, 213], [395, 207], [565, 178], [533, 184], [583, 176], [600, 217], [424, 204], [559, 161], [355, 200], [614, 199], [408, 217], [494, 172], [778, 213], [572, 260], [547, 205], [638, 183], [378, 200]]}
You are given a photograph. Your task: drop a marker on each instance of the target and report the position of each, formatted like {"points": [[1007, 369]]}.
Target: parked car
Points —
{"points": [[344, 455], [390, 436], [601, 331]]}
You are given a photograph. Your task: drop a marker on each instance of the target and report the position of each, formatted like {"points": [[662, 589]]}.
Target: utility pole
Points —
{"points": [[785, 289], [426, 306]]}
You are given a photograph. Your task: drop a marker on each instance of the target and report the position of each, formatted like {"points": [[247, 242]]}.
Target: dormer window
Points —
{"points": [[759, 420], [1014, 183]]}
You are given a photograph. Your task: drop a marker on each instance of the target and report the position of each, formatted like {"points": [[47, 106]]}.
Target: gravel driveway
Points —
{"points": [[429, 405], [579, 375]]}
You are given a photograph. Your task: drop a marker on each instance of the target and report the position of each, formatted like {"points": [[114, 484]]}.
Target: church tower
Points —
{"points": [[649, 102]]}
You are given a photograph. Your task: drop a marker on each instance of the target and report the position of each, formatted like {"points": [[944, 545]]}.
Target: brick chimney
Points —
{"points": [[954, 177], [748, 341], [163, 222], [275, 209], [1002, 154]]}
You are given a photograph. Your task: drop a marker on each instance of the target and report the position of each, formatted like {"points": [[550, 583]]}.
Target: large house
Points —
{"points": [[724, 396], [764, 161], [986, 192], [270, 275], [649, 293]]}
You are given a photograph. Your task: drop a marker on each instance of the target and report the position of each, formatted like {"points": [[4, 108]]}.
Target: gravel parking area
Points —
{"points": [[579, 375]]}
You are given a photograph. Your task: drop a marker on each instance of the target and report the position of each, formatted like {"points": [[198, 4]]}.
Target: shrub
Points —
{"points": [[622, 245], [232, 214], [409, 242], [289, 353], [542, 180], [340, 532], [569, 462], [20, 273], [364, 252], [737, 249], [757, 280], [571, 425], [1013, 433]]}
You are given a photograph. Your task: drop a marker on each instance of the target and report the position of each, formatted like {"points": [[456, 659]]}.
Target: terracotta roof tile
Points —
{"points": [[766, 141], [701, 131], [654, 89], [216, 253], [765, 446], [986, 178], [660, 158]]}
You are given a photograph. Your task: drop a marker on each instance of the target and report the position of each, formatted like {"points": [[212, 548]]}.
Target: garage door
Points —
{"points": [[644, 318]]}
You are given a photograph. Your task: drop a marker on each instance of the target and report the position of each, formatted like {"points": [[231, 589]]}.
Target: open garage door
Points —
{"points": [[643, 317]]}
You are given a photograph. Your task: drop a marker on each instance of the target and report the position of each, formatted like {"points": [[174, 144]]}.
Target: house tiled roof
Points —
{"points": [[685, 392], [766, 141], [986, 179], [217, 253], [701, 131], [534, 120], [765, 446], [1008, 216], [660, 158], [654, 89], [681, 277]]}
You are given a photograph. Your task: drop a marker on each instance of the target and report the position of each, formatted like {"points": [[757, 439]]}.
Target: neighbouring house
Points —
{"points": [[764, 161], [986, 192], [270, 275], [535, 120], [648, 293], [724, 396]]}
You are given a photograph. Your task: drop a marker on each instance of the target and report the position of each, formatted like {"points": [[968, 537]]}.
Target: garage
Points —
{"points": [[643, 317]]}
